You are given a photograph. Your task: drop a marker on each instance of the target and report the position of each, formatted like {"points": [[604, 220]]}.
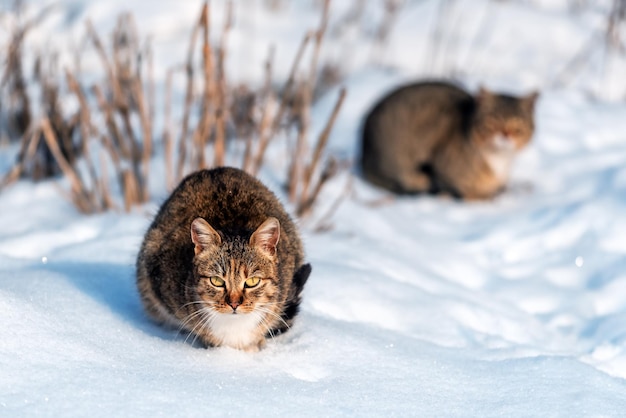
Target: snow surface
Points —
{"points": [[415, 307]]}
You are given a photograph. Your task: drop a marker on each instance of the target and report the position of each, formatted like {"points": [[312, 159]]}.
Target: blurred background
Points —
{"points": [[94, 91]]}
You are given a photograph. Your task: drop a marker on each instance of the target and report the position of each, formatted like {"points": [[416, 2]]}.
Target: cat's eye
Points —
{"points": [[217, 281], [252, 281]]}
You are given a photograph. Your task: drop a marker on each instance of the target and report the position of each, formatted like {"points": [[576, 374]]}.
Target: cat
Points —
{"points": [[223, 261], [434, 137]]}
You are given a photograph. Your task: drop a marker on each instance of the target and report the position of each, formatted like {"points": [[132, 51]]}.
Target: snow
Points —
{"points": [[415, 307]]}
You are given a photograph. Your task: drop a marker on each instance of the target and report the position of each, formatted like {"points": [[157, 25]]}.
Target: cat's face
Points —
{"points": [[237, 276], [503, 124]]}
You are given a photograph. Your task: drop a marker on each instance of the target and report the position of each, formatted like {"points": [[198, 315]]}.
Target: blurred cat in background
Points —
{"points": [[434, 137]]}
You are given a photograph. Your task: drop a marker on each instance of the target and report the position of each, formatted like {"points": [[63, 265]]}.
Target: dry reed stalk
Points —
{"points": [[263, 129], [95, 39], [182, 146], [131, 189], [107, 200], [125, 50], [203, 129], [14, 75], [113, 153], [294, 176], [14, 69], [306, 204], [129, 133], [265, 112], [324, 225], [247, 154], [63, 128], [113, 146], [84, 122], [219, 148], [167, 131], [127, 90], [306, 96], [111, 123], [317, 45], [265, 138], [269, 67], [222, 110], [320, 146], [146, 126], [28, 147], [80, 196], [125, 45], [151, 93]]}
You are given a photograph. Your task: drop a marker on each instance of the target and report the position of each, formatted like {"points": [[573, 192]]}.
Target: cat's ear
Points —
{"points": [[531, 99], [266, 236], [483, 95], [203, 235]]}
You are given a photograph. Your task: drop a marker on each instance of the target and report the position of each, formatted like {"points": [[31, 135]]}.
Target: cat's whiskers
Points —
{"points": [[267, 311], [198, 302], [189, 318], [200, 313], [207, 317], [204, 322], [204, 304], [264, 322]]}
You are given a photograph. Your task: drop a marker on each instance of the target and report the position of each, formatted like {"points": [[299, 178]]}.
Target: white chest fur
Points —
{"points": [[500, 163], [235, 330]]}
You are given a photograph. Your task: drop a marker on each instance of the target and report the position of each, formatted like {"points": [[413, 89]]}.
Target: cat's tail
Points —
{"points": [[292, 305], [301, 276]]}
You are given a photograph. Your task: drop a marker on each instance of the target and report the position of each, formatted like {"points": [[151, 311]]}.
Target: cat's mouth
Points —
{"points": [[231, 312]]}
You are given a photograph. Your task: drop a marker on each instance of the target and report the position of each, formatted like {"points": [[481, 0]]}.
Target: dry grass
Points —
{"points": [[105, 146], [116, 117]]}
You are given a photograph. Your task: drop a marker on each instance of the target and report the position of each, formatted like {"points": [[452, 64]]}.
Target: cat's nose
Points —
{"points": [[234, 305]]}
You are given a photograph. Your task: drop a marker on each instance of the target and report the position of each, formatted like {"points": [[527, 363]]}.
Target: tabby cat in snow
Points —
{"points": [[223, 261], [434, 137]]}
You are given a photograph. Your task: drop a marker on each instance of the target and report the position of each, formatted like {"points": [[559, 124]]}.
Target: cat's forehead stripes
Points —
{"points": [[238, 271], [508, 106], [238, 268]]}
